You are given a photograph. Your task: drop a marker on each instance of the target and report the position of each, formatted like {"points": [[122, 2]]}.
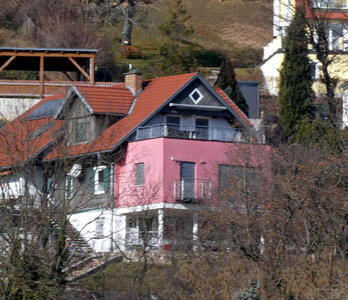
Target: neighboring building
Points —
{"points": [[334, 12], [139, 160]]}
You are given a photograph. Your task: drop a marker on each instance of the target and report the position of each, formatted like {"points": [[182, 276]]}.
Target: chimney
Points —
{"points": [[134, 81]]}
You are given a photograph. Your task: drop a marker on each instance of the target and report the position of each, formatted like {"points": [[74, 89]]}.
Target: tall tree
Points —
{"points": [[177, 51], [228, 82], [295, 92]]}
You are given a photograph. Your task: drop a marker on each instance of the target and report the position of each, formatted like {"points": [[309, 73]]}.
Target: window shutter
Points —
{"points": [[91, 180], [68, 186], [106, 179]]}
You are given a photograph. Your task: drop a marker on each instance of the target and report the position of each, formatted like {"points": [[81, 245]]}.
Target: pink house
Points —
{"points": [[150, 155]]}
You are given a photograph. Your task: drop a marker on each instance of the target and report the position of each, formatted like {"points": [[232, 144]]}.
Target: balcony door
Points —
{"points": [[187, 179]]}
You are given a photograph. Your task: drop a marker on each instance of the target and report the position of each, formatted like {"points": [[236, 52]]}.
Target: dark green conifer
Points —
{"points": [[295, 92], [228, 83]]}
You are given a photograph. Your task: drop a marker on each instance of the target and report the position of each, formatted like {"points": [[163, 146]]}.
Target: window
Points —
{"points": [[314, 70], [99, 228], [202, 129], [100, 180], [240, 178], [187, 180], [173, 126], [196, 96], [69, 184], [81, 132], [139, 174]]}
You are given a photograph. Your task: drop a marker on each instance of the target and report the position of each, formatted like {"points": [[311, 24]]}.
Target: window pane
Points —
{"points": [[81, 132], [139, 174]]}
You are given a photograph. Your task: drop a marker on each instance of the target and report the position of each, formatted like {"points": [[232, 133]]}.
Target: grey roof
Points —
{"points": [[45, 110]]}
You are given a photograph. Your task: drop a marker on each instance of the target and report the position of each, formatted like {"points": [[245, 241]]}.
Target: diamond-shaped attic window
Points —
{"points": [[196, 96]]}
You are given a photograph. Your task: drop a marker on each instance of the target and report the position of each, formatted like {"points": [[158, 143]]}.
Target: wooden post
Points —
{"points": [[42, 87], [79, 68], [91, 70], [7, 63]]}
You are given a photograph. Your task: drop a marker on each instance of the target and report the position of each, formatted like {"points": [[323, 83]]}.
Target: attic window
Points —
{"points": [[81, 132], [196, 96], [41, 130]]}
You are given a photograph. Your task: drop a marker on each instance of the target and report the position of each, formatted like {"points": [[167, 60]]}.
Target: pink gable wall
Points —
{"points": [[162, 158]]}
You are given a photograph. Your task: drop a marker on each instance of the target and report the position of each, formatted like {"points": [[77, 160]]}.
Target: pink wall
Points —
{"points": [[162, 158]]}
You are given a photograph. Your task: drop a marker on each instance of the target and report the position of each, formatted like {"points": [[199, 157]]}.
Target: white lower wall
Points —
{"points": [[101, 228]]}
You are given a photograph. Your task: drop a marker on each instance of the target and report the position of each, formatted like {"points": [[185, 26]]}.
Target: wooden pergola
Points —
{"points": [[49, 59]]}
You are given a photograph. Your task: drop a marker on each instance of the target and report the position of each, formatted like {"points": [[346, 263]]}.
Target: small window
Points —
{"points": [[99, 228], [173, 126], [230, 175], [173, 121], [132, 223], [202, 129], [196, 96], [139, 174], [100, 180], [69, 184], [81, 132], [314, 70]]}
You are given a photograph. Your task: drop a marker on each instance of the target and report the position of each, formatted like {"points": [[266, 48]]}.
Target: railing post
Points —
{"points": [[160, 227]]}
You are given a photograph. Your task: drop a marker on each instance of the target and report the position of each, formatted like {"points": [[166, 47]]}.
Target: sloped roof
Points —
{"points": [[28, 137], [22, 139], [234, 107], [107, 100], [155, 93]]}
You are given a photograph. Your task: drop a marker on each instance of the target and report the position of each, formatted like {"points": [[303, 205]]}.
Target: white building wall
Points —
{"points": [[14, 186], [109, 236], [11, 108]]}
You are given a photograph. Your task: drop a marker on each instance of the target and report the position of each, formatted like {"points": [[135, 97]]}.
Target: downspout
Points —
{"points": [[112, 190]]}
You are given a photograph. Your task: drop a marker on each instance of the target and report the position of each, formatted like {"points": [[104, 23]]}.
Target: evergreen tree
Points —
{"points": [[295, 92], [227, 82]]}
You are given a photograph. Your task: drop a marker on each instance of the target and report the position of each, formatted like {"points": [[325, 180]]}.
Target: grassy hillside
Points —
{"points": [[239, 27]]}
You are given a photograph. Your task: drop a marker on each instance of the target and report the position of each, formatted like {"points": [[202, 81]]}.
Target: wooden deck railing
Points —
{"points": [[32, 88]]}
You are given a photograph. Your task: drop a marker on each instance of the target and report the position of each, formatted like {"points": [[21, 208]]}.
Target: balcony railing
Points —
{"points": [[148, 238], [224, 134], [192, 191], [330, 4]]}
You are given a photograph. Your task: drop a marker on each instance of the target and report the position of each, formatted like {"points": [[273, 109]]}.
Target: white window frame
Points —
{"points": [[196, 90], [98, 186]]}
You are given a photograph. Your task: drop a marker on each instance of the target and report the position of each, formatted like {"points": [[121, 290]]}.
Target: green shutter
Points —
{"points": [[68, 186], [91, 180], [106, 179]]}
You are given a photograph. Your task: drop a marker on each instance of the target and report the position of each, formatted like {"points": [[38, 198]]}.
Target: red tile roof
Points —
{"points": [[110, 100], [16, 144], [233, 106], [156, 92]]}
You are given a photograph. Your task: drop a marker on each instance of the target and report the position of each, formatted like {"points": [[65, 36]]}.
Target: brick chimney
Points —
{"points": [[134, 81]]}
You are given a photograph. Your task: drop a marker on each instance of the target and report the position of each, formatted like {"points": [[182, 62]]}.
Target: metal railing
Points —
{"points": [[195, 190], [330, 4], [224, 134], [137, 238]]}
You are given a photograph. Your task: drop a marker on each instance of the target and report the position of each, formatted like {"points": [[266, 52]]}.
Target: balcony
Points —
{"points": [[330, 4], [224, 134], [192, 191]]}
